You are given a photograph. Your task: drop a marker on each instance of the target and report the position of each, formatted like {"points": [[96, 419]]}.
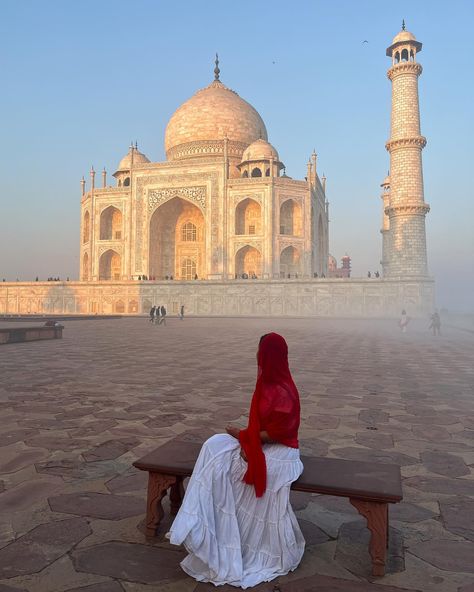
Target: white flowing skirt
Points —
{"points": [[232, 536]]}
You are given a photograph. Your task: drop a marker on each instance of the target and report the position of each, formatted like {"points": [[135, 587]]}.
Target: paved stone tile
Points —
{"points": [[458, 516], [111, 449], [97, 505], [8, 438], [374, 440], [41, 546], [111, 586], [454, 556], [25, 495], [6, 588], [136, 481], [105, 386], [131, 562], [445, 464]]}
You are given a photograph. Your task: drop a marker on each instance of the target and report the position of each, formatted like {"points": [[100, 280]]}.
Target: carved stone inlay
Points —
{"points": [[247, 243], [407, 209], [419, 141], [241, 196], [203, 148], [159, 196], [110, 247]]}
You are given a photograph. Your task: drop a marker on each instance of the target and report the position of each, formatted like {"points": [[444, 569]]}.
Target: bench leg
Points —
{"points": [[376, 514], [176, 496], [157, 487]]}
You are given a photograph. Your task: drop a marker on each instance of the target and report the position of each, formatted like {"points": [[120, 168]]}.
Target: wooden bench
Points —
{"points": [[369, 486]]}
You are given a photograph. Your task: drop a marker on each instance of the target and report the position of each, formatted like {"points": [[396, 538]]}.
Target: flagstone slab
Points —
{"points": [[97, 505], [41, 546], [73, 469], [91, 428], [432, 433], [456, 556], [458, 516], [322, 422], [17, 460], [131, 562], [136, 481], [383, 456], [444, 464], [407, 512], [6, 588], [111, 586], [25, 495], [13, 436], [372, 439], [111, 449], [53, 443], [373, 416], [441, 485]]}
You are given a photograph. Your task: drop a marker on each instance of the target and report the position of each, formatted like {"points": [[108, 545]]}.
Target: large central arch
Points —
{"points": [[290, 262], [177, 236]]}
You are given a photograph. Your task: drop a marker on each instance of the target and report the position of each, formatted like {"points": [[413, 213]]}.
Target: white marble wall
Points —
{"points": [[321, 297]]}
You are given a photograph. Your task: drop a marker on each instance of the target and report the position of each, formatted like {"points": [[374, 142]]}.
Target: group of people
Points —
{"points": [[435, 322], [376, 274], [158, 314]]}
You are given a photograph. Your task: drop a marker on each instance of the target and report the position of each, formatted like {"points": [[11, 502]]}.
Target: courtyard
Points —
{"points": [[76, 413]]}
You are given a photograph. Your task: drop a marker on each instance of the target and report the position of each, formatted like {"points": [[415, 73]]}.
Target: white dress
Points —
{"points": [[232, 536]]}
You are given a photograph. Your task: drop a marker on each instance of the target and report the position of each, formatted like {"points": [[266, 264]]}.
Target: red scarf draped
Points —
{"points": [[275, 408]]}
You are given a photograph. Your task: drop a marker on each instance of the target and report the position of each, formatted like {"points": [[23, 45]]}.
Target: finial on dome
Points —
{"points": [[403, 24], [216, 69]]}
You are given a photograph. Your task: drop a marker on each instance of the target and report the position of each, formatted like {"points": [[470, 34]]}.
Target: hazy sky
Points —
{"points": [[80, 80]]}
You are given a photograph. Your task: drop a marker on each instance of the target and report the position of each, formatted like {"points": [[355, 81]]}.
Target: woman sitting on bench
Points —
{"points": [[236, 520]]}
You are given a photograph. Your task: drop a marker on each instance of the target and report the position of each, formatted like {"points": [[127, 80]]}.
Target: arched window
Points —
{"points": [[256, 172], [86, 227], [267, 173], [188, 269], [188, 232], [126, 182], [404, 55], [245, 174], [397, 57]]}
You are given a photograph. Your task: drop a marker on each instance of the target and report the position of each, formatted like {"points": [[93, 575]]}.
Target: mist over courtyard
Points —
{"points": [[77, 412]]}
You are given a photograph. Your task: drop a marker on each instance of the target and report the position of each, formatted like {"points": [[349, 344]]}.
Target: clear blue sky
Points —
{"points": [[80, 80]]}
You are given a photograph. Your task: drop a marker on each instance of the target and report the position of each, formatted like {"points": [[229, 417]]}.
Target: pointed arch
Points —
{"points": [[291, 222], [110, 224], [290, 262], [110, 265], [248, 217], [248, 260], [86, 227]]}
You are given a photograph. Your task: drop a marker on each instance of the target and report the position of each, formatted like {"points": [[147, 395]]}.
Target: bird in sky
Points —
{"points": [[365, 41]]}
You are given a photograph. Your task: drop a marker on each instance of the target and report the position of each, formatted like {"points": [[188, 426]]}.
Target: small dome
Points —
{"points": [[260, 150], [138, 158], [212, 114], [403, 36]]}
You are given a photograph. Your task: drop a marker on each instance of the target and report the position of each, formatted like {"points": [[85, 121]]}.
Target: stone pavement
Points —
{"points": [[76, 413]]}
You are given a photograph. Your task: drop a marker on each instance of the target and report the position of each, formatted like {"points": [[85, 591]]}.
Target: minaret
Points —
{"points": [[407, 208], [385, 229]]}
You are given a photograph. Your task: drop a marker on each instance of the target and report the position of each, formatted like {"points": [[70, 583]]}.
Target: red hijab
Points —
{"points": [[275, 408]]}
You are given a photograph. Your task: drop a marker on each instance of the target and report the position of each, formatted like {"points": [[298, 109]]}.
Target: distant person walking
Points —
{"points": [[181, 312], [404, 320], [152, 314], [163, 315], [435, 324], [157, 315]]}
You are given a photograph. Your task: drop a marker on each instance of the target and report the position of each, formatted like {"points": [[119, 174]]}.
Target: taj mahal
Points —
{"points": [[221, 228]]}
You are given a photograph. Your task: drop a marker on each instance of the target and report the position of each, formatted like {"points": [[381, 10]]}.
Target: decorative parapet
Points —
{"points": [[404, 68], [419, 141]]}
